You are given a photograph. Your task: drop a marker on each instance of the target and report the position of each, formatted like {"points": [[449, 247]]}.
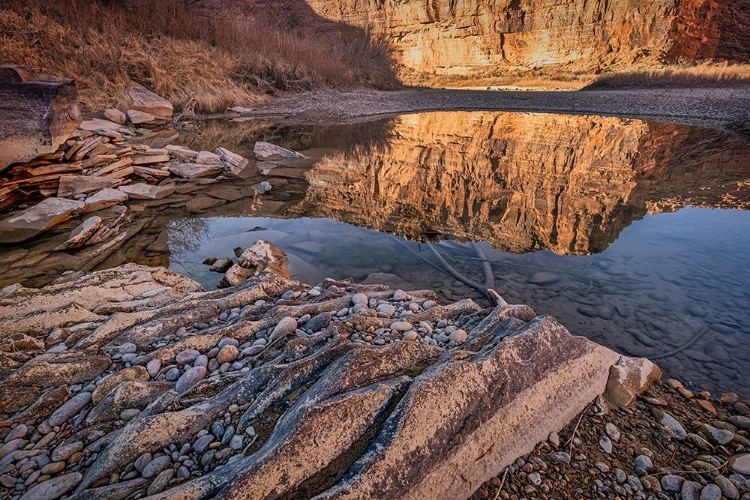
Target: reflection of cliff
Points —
{"points": [[525, 181], [449, 37]]}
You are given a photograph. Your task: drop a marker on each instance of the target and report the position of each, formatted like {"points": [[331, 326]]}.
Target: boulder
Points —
{"points": [[38, 113], [32, 221], [194, 171], [104, 199], [143, 100], [630, 378], [143, 191], [73, 186], [267, 151], [256, 259]]}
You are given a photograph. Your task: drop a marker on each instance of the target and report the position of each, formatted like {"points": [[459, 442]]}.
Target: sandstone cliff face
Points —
{"points": [[480, 36], [527, 181]]}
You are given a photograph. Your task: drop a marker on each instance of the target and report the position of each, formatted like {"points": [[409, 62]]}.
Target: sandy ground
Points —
{"points": [[704, 107]]}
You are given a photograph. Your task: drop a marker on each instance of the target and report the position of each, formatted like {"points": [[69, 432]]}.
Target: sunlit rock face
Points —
{"points": [[526, 181], [475, 37]]}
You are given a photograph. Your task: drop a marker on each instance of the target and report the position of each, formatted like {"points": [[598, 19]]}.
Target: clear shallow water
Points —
{"points": [[631, 233]]}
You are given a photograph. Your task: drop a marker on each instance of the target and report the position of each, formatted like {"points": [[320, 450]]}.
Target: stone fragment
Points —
{"points": [[161, 482], [74, 186], [142, 99], [53, 488], [155, 466], [267, 151], [605, 444], [672, 482], [34, 220], [140, 118], [190, 378], [629, 378], [668, 420], [262, 256], [81, 234], [221, 265], [207, 158], [153, 367], [458, 336], [115, 115], [70, 408], [233, 162], [181, 152], [194, 170], [612, 431], [717, 436], [143, 191], [104, 199]]}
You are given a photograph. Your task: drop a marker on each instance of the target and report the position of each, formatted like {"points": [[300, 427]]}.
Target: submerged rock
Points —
{"points": [[37, 219]]}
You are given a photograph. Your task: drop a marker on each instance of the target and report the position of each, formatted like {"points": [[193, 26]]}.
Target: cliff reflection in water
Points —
{"points": [[525, 181]]}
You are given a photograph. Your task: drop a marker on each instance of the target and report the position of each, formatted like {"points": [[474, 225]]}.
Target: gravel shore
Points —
{"points": [[704, 107]]}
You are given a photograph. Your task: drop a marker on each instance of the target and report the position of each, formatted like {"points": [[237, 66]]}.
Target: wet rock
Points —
{"points": [[544, 278], [266, 151], [70, 408], [37, 219], [221, 265], [262, 256], [233, 162], [629, 378], [143, 191], [53, 488]]}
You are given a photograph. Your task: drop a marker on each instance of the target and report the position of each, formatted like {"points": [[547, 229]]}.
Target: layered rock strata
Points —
{"points": [[133, 380]]}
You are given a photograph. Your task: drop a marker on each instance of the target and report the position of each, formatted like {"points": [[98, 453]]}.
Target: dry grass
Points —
{"points": [[185, 48], [676, 76], [545, 78]]}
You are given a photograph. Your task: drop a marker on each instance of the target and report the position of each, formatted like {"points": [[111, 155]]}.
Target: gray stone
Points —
{"points": [[386, 309], [191, 377], [711, 492], [561, 457], [643, 462], [717, 436], [70, 409], [620, 476], [267, 151], [233, 162], [187, 356], [53, 488], [236, 442], [202, 443], [161, 482], [153, 367], [286, 326], [81, 234], [669, 421], [207, 158], [319, 321], [612, 431], [65, 451], [103, 199], [194, 171], [690, 490], [143, 191], [728, 489], [37, 219], [155, 466], [359, 298], [399, 295], [140, 118], [401, 326], [740, 463], [699, 442], [17, 432], [142, 461], [534, 478], [606, 444], [221, 265], [671, 482]]}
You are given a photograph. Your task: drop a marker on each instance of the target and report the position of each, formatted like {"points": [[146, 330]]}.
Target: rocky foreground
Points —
{"points": [[134, 382]]}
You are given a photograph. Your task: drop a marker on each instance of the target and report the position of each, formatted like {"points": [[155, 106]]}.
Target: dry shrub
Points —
{"points": [[675, 76], [221, 56]]}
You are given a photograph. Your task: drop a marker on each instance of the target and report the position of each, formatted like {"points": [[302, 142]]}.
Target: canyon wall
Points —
{"points": [[481, 37], [526, 181]]}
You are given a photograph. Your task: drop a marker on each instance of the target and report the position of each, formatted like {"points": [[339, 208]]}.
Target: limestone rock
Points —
{"points": [[32, 221], [143, 100], [104, 199], [267, 151], [82, 233], [194, 170], [260, 257], [143, 191], [115, 115], [38, 113], [629, 378], [73, 186], [140, 118], [233, 162]]}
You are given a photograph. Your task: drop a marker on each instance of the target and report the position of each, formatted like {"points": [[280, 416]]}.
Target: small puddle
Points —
{"points": [[631, 233]]}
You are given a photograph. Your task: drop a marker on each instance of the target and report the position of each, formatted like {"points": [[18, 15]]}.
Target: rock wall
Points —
{"points": [[481, 36]]}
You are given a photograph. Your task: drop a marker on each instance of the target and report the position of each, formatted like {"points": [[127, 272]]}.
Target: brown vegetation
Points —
{"points": [[186, 48], [675, 76]]}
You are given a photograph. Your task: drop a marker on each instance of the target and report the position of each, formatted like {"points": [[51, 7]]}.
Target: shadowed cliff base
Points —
{"points": [[220, 56]]}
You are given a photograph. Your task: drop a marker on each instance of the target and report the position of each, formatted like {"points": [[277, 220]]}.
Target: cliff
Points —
{"points": [[446, 37]]}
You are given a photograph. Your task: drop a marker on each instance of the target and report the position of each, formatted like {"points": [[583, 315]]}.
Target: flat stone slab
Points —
{"points": [[267, 151], [104, 199], [73, 186], [143, 191], [39, 218], [139, 117], [103, 126], [233, 162], [194, 171]]}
